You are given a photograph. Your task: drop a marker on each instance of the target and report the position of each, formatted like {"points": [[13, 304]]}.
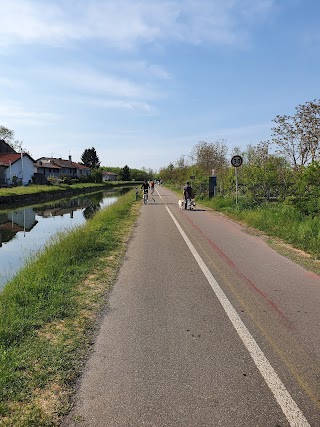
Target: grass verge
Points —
{"points": [[48, 313], [38, 189], [41, 189]]}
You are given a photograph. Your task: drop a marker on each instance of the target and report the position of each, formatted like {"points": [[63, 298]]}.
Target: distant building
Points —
{"points": [[5, 148], [109, 176], [58, 167], [15, 168]]}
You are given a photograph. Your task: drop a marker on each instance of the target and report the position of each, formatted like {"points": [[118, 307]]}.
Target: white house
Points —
{"points": [[109, 176], [52, 166], [16, 168]]}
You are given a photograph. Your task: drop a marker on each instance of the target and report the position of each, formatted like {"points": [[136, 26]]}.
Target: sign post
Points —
{"points": [[236, 161]]}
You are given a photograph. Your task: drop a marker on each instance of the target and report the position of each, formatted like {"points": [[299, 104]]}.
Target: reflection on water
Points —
{"points": [[25, 231]]}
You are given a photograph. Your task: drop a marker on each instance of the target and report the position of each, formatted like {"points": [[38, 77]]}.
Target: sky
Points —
{"points": [[143, 81]]}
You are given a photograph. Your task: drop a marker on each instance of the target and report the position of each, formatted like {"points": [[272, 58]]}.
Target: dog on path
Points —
{"points": [[193, 205]]}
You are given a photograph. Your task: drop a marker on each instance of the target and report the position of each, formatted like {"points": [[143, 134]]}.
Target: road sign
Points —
{"points": [[236, 161]]}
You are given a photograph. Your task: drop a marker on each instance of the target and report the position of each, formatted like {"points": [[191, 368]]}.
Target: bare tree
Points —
{"points": [[209, 156], [181, 162], [298, 136], [258, 155], [7, 135], [307, 120]]}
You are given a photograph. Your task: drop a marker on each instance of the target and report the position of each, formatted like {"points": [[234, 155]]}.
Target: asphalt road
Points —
{"points": [[206, 326]]}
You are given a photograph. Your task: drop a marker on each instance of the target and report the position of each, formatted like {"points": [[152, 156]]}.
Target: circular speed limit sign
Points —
{"points": [[236, 161]]}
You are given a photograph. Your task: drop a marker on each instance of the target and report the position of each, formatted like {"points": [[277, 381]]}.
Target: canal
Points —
{"points": [[25, 231]]}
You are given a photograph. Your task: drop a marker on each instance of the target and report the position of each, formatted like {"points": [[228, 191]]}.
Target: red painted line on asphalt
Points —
{"points": [[281, 315]]}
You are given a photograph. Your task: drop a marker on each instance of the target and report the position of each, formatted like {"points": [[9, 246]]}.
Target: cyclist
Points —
{"points": [[152, 186], [187, 194], [145, 188]]}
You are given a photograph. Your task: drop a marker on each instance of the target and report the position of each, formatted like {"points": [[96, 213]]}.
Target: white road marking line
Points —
{"points": [[159, 194], [289, 407]]}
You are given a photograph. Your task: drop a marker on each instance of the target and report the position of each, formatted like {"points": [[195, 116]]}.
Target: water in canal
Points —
{"points": [[25, 231]]}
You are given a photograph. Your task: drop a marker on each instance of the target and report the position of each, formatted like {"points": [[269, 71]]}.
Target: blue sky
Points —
{"points": [[142, 81]]}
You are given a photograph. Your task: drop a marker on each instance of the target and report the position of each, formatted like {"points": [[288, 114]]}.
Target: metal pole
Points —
{"points": [[236, 185], [22, 167]]}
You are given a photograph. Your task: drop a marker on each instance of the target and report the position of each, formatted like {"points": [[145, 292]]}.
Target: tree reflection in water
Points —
{"points": [[26, 230]]}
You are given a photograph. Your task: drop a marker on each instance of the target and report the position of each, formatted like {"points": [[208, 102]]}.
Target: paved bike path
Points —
{"points": [[167, 354]]}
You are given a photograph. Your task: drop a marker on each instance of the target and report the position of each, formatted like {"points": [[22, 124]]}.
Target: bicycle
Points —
{"points": [[145, 197]]}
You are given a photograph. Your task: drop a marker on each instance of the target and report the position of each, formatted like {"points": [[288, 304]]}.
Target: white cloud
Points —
{"points": [[107, 90], [6, 82], [128, 23], [26, 21], [119, 104], [16, 114], [143, 69], [240, 136]]}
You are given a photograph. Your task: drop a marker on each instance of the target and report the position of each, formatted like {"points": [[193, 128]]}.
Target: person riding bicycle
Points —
{"points": [[187, 194], [145, 187], [152, 186]]}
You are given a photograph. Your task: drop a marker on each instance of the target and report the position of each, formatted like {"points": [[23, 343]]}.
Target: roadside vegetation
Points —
{"points": [[275, 190], [48, 312]]}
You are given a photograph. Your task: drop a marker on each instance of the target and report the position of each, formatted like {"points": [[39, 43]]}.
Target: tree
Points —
{"points": [[125, 173], [257, 155], [181, 162], [7, 135], [307, 120], [209, 156], [138, 175], [264, 176], [298, 136], [306, 190], [96, 175], [90, 159]]}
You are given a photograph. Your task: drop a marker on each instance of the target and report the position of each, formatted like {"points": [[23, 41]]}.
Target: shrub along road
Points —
{"points": [[206, 326]]}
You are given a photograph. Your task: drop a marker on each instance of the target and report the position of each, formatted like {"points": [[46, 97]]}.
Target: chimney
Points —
{"points": [[70, 160]]}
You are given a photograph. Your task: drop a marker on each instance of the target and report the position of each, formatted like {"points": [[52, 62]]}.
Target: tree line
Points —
{"points": [[284, 169], [89, 158]]}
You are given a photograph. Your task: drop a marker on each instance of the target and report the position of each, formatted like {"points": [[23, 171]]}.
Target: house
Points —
{"points": [[15, 168], [109, 176], [5, 148], [58, 167]]}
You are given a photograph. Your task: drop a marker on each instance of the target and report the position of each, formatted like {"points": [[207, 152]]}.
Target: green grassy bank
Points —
{"points": [[30, 195], [38, 189], [48, 312]]}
